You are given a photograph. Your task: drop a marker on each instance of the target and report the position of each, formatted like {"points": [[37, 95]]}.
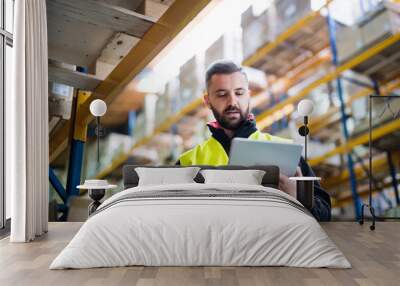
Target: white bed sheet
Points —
{"points": [[190, 231]]}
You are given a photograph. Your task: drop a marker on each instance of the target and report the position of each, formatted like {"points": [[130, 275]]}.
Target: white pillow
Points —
{"points": [[163, 176], [249, 177]]}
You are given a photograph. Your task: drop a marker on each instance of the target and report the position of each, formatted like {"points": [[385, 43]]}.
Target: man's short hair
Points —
{"points": [[222, 67]]}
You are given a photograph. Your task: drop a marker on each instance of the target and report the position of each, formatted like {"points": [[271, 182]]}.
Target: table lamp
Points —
{"points": [[97, 188], [305, 185], [98, 108]]}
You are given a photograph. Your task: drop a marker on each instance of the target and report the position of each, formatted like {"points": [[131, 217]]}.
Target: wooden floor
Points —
{"points": [[375, 257]]}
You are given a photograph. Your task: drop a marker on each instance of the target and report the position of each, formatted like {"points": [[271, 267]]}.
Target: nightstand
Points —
{"points": [[97, 190], [305, 190]]}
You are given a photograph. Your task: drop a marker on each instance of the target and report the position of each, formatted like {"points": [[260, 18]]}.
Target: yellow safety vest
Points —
{"points": [[211, 152]]}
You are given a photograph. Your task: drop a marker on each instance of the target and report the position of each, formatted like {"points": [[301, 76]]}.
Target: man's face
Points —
{"points": [[229, 99]]}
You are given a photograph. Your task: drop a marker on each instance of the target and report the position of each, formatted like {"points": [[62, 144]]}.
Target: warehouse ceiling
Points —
{"points": [[100, 46]]}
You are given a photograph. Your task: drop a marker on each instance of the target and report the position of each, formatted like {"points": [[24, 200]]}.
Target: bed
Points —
{"points": [[201, 224]]}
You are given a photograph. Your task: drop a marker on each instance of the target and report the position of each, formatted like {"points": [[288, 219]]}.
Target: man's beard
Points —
{"points": [[223, 120]]}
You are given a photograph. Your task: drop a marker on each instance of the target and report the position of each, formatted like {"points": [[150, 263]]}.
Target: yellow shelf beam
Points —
{"points": [[178, 15], [320, 122], [267, 48], [262, 123], [377, 133]]}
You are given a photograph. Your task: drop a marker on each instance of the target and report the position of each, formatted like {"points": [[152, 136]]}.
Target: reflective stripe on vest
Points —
{"points": [[211, 152]]}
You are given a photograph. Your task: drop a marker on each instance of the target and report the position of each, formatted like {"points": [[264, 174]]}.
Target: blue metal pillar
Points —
{"points": [[63, 208], [350, 163], [55, 182], [74, 167], [75, 155]]}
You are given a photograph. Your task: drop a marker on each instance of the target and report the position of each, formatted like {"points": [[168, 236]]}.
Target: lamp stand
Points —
{"points": [[99, 133], [305, 185], [305, 137], [303, 131], [96, 195]]}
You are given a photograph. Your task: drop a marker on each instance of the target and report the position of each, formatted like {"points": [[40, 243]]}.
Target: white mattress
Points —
{"points": [[190, 230]]}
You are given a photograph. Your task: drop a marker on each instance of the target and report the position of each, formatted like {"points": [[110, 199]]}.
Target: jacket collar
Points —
{"points": [[247, 128]]}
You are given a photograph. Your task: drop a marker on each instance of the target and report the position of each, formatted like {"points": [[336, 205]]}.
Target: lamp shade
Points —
{"points": [[98, 107], [305, 107]]}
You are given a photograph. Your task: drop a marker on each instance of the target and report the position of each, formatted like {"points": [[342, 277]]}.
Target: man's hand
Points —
{"points": [[289, 186]]}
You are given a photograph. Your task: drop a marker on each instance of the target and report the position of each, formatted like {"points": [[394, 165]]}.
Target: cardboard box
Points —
{"points": [[163, 109], [288, 12], [228, 46], [168, 102], [373, 27], [140, 126], [349, 41], [191, 79], [256, 31], [383, 24], [172, 91]]}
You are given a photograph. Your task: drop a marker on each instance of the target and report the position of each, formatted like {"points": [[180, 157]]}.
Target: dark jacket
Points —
{"points": [[322, 202]]}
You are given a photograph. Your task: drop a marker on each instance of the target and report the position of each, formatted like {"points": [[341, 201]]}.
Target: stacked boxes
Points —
{"points": [[349, 41], [145, 122], [374, 27], [256, 31], [150, 113], [383, 23], [191, 81], [277, 18], [163, 109], [168, 102], [226, 47], [172, 91], [288, 12], [140, 126]]}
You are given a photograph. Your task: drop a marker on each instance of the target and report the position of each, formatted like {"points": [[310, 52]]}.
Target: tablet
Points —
{"points": [[247, 152]]}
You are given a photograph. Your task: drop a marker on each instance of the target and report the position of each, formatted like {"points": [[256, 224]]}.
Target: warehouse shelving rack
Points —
{"points": [[330, 76], [354, 63], [334, 75], [197, 103], [153, 37]]}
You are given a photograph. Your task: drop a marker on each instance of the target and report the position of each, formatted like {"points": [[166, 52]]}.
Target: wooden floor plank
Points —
{"points": [[375, 257]]}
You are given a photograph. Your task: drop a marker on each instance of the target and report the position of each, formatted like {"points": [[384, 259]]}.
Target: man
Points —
{"points": [[228, 97]]}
